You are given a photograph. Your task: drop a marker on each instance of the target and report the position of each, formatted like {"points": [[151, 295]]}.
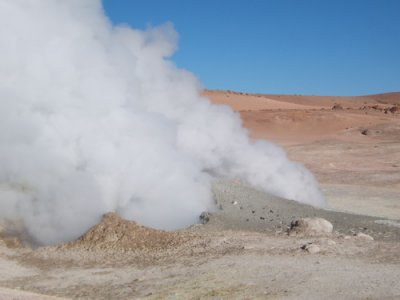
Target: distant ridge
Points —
{"points": [[387, 95], [392, 98]]}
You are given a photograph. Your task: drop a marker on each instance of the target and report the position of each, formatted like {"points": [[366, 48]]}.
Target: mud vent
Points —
{"points": [[115, 233]]}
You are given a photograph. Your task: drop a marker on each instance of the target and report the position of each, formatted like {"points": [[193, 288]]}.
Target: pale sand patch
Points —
{"points": [[21, 295], [371, 201]]}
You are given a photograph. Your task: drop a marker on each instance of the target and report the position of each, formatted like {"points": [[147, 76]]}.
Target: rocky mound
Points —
{"points": [[115, 233]]}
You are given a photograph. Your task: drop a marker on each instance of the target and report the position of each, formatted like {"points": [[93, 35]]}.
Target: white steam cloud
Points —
{"points": [[96, 118]]}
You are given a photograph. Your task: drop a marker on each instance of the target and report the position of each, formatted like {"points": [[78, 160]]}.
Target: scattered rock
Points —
{"points": [[391, 109], [364, 236], [311, 248], [310, 227]]}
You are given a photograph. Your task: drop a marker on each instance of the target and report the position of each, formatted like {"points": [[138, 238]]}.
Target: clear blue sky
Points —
{"points": [[314, 47]]}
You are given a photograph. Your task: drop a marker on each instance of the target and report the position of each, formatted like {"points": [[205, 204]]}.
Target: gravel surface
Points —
{"points": [[241, 207]]}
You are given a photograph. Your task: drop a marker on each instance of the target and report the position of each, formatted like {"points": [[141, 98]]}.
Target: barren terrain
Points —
{"points": [[351, 144], [244, 251]]}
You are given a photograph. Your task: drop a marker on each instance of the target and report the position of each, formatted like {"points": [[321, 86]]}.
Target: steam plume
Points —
{"points": [[96, 118]]}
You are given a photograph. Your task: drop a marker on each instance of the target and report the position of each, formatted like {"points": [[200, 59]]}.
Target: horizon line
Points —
{"points": [[302, 95]]}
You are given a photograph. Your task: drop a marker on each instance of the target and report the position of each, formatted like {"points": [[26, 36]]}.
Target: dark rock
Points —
{"points": [[365, 132], [204, 217]]}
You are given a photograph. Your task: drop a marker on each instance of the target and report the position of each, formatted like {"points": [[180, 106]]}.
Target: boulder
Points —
{"points": [[204, 217], [364, 236], [310, 227], [311, 248]]}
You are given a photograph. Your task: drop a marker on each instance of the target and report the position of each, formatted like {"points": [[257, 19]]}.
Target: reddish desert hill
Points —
{"points": [[294, 119]]}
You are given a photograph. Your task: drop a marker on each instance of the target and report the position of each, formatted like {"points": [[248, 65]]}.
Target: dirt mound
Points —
{"points": [[115, 233]]}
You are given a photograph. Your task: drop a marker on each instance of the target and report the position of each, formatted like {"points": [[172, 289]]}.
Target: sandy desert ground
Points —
{"points": [[244, 251]]}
